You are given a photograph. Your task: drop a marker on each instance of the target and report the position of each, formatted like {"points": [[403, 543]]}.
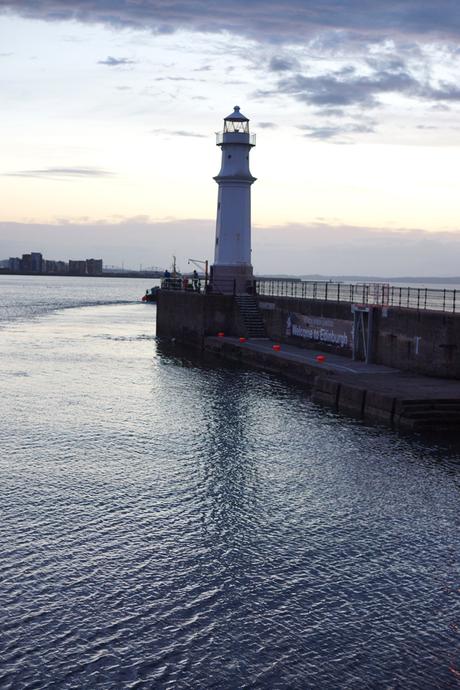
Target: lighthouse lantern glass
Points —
{"points": [[236, 126]]}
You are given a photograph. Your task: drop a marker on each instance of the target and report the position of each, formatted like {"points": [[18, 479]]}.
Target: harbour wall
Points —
{"points": [[424, 342], [356, 398], [421, 341]]}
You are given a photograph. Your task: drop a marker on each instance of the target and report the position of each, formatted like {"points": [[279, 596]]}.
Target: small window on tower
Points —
{"points": [[229, 155], [217, 241]]}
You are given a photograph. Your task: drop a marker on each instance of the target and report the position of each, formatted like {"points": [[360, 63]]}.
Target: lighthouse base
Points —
{"points": [[232, 279]]}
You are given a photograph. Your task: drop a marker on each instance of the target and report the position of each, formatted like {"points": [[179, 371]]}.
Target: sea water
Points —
{"points": [[168, 522]]}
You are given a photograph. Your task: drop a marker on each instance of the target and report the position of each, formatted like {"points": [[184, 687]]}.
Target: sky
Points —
{"points": [[110, 109]]}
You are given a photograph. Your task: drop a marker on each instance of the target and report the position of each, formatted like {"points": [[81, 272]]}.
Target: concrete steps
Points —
{"points": [[427, 414], [250, 314]]}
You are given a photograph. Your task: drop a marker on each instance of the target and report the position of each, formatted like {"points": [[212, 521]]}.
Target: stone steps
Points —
{"points": [[251, 317], [426, 414]]}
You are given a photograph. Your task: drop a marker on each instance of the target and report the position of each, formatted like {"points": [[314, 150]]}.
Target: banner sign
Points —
{"points": [[335, 332]]}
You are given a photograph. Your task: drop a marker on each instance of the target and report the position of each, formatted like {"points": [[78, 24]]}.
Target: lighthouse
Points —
{"points": [[232, 268]]}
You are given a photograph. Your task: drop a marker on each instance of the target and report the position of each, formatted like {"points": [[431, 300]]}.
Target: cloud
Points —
{"points": [[361, 85], [178, 133], [115, 62], [278, 63], [266, 125], [333, 131], [383, 34], [132, 240], [270, 20], [61, 173], [443, 92], [177, 79], [347, 87], [349, 250], [296, 249]]}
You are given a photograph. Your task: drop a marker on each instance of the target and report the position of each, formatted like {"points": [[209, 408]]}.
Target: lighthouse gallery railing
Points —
{"points": [[381, 294], [235, 137]]}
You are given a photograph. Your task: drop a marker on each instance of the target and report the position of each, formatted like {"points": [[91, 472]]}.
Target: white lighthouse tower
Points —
{"points": [[232, 269]]}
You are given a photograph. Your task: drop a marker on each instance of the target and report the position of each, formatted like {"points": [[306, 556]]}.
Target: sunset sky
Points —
{"points": [[109, 109]]}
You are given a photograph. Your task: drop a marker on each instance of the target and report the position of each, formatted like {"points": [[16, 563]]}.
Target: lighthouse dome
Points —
{"points": [[236, 116]]}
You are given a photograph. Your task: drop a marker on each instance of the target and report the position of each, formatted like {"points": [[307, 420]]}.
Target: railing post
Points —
{"points": [[426, 295], [325, 296], [453, 300], [418, 299], [444, 300], [338, 292]]}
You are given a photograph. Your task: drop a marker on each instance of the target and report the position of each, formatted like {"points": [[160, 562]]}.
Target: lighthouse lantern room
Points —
{"points": [[232, 269]]}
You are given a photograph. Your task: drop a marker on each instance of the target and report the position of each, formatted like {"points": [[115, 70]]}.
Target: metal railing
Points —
{"points": [[381, 294], [188, 285], [222, 286]]}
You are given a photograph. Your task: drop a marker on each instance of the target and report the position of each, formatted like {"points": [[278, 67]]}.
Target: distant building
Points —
{"points": [[55, 266], [50, 266], [14, 264], [93, 267], [26, 263], [36, 260], [77, 267], [36, 263]]}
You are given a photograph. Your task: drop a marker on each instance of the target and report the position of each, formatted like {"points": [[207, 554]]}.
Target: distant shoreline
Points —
{"points": [[365, 279], [155, 275], [115, 274]]}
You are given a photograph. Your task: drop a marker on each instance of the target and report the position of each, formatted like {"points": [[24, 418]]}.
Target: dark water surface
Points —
{"points": [[171, 524]]}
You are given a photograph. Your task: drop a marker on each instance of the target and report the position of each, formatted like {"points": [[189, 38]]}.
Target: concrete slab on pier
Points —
{"points": [[371, 391]]}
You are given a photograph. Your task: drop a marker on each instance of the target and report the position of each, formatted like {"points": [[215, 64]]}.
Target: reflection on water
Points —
{"points": [[172, 523]]}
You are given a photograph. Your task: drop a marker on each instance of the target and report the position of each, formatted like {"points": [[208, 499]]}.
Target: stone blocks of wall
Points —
{"points": [[426, 342], [190, 316]]}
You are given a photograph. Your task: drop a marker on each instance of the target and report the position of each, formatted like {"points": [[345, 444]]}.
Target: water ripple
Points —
{"points": [[168, 523]]}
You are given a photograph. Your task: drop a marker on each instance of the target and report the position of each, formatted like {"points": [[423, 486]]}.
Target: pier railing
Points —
{"points": [[381, 294]]}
